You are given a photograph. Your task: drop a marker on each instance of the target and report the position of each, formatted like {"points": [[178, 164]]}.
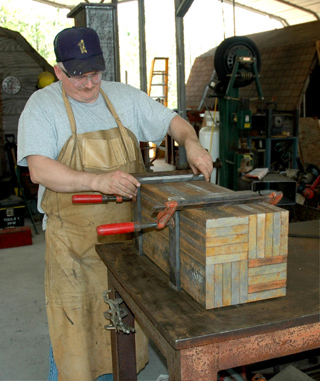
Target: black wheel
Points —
{"points": [[225, 55]]}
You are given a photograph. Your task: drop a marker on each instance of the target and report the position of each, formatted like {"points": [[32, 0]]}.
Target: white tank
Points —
{"points": [[209, 135]]}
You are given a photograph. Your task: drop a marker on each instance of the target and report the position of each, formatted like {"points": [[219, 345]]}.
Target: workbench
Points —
{"points": [[197, 343]]}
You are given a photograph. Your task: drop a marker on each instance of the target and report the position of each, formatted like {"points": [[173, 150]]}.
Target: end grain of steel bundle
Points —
{"points": [[230, 254]]}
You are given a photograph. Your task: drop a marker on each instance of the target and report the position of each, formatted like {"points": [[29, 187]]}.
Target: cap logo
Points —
{"points": [[82, 47]]}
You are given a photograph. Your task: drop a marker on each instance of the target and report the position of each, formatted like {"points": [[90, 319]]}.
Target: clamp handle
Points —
{"points": [[124, 227], [120, 228], [97, 198], [87, 199]]}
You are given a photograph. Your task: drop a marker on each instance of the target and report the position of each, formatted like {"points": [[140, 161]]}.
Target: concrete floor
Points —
{"points": [[24, 343], [24, 340]]}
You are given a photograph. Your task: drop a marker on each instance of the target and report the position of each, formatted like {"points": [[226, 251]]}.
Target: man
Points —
{"points": [[81, 134]]}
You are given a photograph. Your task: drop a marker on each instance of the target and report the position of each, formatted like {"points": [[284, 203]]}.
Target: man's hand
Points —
{"points": [[198, 158], [117, 182]]}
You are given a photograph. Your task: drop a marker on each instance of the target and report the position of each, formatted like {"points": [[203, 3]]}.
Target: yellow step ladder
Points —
{"points": [[158, 79]]}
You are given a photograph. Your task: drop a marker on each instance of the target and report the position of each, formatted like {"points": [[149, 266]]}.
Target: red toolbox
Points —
{"points": [[14, 237]]}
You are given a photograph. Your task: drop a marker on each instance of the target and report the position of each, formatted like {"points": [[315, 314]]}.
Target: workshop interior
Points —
{"points": [[223, 275]]}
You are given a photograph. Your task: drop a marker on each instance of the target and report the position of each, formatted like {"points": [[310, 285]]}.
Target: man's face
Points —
{"points": [[86, 94]]}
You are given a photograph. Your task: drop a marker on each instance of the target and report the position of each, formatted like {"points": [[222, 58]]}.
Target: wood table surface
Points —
{"points": [[196, 342]]}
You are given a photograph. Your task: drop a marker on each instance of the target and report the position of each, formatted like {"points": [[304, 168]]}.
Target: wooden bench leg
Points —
{"points": [[123, 349]]}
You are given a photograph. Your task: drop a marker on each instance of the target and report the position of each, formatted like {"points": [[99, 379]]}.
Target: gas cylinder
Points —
{"points": [[209, 135]]}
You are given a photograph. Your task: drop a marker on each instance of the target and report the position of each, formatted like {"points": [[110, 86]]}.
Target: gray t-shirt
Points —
{"points": [[44, 126]]}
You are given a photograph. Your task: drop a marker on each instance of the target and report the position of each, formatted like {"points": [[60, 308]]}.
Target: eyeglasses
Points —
{"points": [[82, 80]]}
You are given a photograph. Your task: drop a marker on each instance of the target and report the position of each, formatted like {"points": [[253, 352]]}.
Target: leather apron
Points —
{"points": [[75, 277]]}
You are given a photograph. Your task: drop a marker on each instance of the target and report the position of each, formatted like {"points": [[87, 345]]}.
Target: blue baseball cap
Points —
{"points": [[79, 50]]}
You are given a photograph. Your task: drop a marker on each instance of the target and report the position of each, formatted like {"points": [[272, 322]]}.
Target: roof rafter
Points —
{"points": [[67, 6], [283, 21], [299, 7], [55, 4]]}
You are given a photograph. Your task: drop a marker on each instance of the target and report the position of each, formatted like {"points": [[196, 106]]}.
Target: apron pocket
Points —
{"points": [[104, 154]]}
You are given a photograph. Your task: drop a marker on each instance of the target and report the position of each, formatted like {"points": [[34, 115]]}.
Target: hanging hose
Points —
{"points": [[214, 118]]}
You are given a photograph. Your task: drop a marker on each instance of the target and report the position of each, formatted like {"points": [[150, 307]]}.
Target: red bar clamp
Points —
{"points": [[97, 199], [129, 227], [164, 217]]}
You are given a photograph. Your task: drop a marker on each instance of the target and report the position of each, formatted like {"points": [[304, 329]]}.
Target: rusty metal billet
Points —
{"points": [[216, 199]]}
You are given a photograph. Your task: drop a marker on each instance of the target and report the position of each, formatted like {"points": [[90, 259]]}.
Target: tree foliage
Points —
{"points": [[37, 23]]}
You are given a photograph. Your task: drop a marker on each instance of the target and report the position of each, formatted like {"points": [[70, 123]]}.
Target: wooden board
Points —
{"points": [[309, 141], [229, 254]]}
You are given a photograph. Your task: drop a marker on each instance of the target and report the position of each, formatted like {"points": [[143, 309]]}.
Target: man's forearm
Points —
{"points": [[182, 131], [57, 176], [60, 178]]}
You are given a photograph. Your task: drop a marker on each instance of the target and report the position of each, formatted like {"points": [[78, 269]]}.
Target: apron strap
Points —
{"points": [[72, 121], [71, 118], [127, 142]]}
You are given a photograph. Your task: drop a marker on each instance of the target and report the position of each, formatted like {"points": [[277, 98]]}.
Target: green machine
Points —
{"points": [[237, 64]]}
